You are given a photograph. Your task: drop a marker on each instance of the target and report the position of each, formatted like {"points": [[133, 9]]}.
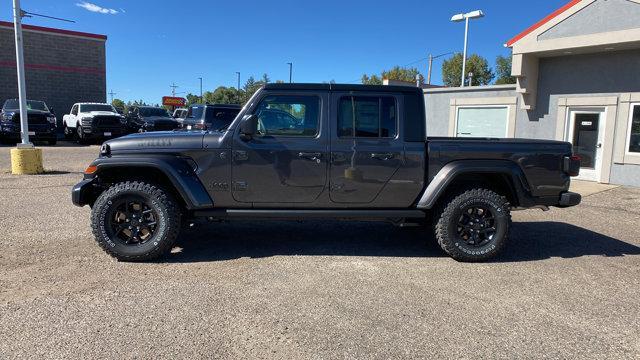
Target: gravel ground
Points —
{"points": [[566, 287]]}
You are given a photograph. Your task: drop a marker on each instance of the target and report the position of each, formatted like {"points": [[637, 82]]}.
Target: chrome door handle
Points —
{"points": [[382, 156], [313, 156], [599, 145]]}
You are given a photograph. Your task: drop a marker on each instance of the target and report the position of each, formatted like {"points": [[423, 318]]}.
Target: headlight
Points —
{"points": [[6, 117], [123, 120], [52, 119]]}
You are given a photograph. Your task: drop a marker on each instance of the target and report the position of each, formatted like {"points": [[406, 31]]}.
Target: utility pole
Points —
{"points": [[290, 72], [173, 87], [201, 100], [431, 58], [22, 87], [112, 94], [238, 73]]}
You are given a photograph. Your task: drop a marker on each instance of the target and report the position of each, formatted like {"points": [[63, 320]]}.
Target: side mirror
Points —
{"points": [[248, 127], [52, 111]]}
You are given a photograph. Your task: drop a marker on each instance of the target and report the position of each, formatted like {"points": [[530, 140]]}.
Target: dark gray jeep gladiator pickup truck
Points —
{"points": [[303, 151]]}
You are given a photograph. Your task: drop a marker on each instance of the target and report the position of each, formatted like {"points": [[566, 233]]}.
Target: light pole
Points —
{"points": [[201, 100], [238, 73], [290, 72], [431, 58], [457, 18], [22, 91]]}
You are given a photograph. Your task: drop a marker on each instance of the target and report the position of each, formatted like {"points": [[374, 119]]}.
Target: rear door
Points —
{"points": [[366, 150], [287, 161]]}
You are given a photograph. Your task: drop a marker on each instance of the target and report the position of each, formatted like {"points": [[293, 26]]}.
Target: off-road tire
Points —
{"points": [[68, 133], [82, 138], [446, 224], [163, 238]]}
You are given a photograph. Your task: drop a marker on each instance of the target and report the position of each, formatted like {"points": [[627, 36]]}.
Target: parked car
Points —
{"points": [[180, 114], [88, 121], [41, 122], [149, 118], [210, 116], [353, 152]]}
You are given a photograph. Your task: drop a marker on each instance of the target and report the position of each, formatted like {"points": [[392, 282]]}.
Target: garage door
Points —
{"points": [[482, 122]]}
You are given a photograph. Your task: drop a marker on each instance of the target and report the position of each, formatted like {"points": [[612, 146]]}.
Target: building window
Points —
{"points": [[288, 115], [367, 116], [485, 121], [634, 129]]}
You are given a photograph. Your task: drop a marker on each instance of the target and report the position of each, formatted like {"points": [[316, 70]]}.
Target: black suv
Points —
{"points": [[213, 117], [149, 118], [41, 120]]}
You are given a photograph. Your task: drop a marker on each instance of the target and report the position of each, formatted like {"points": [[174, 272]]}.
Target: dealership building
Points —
{"points": [[578, 80], [61, 66]]}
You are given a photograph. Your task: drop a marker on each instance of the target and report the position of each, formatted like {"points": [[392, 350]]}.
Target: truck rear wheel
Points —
{"points": [[473, 225], [135, 221]]}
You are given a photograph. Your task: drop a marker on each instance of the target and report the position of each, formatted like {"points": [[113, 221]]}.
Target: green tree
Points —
{"points": [[452, 70], [251, 86], [119, 105], [192, 99], [396, 73], [503, 70], [224, 95]]}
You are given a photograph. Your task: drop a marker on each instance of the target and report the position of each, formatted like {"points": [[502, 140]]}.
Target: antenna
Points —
{"points": [[112, 94], [30, 14]]}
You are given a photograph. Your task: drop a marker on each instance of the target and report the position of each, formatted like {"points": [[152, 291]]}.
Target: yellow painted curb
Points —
{"points": [[26, 161]]}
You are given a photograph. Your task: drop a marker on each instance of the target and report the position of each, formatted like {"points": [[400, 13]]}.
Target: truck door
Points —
{"points": [[365, 147], [287, 161]]}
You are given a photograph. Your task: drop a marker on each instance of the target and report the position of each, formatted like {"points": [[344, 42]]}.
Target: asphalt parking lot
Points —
{"points": [[568, 285]]}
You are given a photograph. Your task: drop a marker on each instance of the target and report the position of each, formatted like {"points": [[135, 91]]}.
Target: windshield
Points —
{"points": [[14, 104], [220, 118], [153, 112], [195, 112], [96, 107]]}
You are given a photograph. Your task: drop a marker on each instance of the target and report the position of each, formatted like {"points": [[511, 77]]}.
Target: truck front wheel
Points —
{"points": [[473, 225], [135, 221]]}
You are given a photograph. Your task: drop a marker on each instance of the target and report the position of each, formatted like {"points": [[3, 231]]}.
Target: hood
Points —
{"points": [[17, 111], [101, 113], [157, 141]]}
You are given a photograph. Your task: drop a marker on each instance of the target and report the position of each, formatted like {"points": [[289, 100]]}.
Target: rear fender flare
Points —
{"points": [[438, 186]]}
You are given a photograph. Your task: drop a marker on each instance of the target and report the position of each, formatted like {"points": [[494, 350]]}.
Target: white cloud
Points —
{"points": [[95, 8]]}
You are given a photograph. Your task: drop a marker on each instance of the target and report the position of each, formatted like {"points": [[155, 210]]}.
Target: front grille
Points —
{"points": [[31, 119], [106, 120]]}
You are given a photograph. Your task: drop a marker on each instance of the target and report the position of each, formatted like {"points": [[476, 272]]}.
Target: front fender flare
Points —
{"points": [[177, 170], [438, 186]]}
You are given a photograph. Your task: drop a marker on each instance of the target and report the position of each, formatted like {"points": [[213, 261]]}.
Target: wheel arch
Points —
{"points": [[173, 174], [502, 176]]}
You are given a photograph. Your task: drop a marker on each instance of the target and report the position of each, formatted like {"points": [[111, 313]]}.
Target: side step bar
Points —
{"points": [[308, 214]]}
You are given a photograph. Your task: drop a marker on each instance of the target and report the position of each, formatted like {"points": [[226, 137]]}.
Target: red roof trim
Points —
{"points": [[56, 31], [542, 22]]}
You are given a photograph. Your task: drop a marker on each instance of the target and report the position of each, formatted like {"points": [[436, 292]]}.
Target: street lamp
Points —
{"points": [[290, 71], [201, 100], [460, 17], [238, 73]]}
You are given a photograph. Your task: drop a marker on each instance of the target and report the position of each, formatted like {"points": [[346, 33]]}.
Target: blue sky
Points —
{"points": [[152, 44]]}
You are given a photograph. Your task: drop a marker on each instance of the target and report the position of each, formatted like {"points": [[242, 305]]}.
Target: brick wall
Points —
{"points": [[60, 69]]}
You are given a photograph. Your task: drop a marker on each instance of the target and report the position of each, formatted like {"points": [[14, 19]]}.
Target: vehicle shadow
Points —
{"points": [[528, 241]]}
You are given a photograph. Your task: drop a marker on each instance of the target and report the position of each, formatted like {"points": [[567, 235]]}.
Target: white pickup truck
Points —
{"points": [[88, 121]]}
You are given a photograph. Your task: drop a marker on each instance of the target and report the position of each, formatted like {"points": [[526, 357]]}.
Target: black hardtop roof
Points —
{"points": [[343, 87]]}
